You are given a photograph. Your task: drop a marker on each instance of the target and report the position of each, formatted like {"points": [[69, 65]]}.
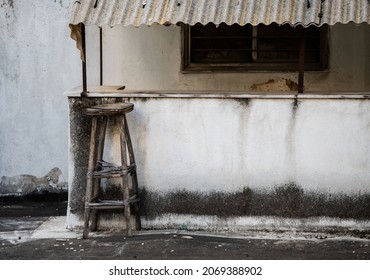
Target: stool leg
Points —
{"points": [[125, 186], [90, 169], [101, 130], [133, 174]]}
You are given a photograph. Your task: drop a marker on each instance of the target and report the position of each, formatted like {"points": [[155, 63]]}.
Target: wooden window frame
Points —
{"points": [[191, 67]]}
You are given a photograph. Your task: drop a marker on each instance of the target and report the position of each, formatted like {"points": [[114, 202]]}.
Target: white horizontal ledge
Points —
{"points": [[113, 91]]}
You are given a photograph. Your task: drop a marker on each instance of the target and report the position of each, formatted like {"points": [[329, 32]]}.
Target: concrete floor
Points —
{"points": [[36, 231]]}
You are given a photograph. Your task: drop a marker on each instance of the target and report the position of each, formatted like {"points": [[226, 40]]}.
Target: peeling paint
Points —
{"points": [[281, 84], [22, 185]]}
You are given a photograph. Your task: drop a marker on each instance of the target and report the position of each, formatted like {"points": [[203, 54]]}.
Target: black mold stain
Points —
{"points": [[9, 3], [295, 105], [59, 1], [289, 197], [243, 102], [80, 129], [140, 99], [145, 99], [8, 6], [35, 197], [288, 200], [290, 137]]}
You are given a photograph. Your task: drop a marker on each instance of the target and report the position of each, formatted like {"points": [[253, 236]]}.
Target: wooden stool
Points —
{"points": [[98, 168]]}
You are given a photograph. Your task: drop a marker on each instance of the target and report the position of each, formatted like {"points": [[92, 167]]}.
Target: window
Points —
{"points": [[251, 48]]}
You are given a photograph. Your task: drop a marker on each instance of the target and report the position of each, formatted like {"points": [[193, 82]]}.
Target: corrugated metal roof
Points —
{"points": [[147, 12]]}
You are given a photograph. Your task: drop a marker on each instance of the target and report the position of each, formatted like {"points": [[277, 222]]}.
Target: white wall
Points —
{"points": [[150, 58], [38, 63], [188, 149], [225, 145], [262, 145]]}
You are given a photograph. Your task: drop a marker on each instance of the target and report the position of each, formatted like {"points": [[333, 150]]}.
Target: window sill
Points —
{"points": [[112, 91], [240, 68]]}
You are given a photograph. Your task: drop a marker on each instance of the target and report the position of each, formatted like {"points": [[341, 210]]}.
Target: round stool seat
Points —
{"points": [[109, 109]]}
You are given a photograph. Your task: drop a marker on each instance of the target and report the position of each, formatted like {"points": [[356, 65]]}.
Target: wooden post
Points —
{"points": [[90, 180], [101, 55], [84, 75], [301, 59], [125, 184], [133, 174]]}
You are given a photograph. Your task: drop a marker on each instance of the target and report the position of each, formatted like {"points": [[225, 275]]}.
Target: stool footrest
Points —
{"points": [[113, 172], [111, 204]]}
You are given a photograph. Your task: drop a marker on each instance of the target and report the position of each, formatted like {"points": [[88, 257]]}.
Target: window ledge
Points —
{"points": [[113, 91]]}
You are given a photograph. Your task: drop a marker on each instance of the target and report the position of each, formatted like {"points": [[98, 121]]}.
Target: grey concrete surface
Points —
{"points": [[45, 237]]}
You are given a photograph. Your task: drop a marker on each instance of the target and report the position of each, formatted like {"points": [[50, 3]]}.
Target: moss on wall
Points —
{"points": [[288, 200]]}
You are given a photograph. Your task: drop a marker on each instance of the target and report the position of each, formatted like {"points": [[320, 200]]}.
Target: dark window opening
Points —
{"points": [[248, 48]]}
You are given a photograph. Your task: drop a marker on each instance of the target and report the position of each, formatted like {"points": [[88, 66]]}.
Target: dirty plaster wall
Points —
{"points": [[150, 58], [222, 146], [246, 164], [201, 160], [38, 63], [238, 158]]}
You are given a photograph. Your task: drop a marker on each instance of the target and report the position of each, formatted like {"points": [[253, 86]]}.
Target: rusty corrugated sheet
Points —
{"points": [[147, 12]]}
